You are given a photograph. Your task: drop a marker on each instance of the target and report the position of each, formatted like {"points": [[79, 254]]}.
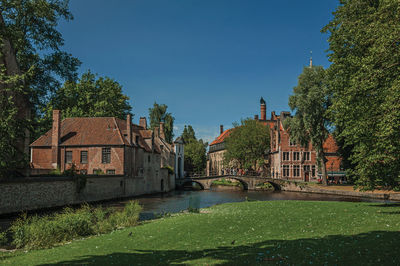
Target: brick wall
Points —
{"points": [[46, 192]]}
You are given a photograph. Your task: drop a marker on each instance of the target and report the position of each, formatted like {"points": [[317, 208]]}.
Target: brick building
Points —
{"points": [[287, 160], [103, 145]]}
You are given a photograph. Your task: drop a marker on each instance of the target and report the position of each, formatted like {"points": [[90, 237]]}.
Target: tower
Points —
{"points": [[179, 158]]}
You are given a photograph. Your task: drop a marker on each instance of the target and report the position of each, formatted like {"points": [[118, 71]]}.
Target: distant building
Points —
{"points": [[287, 159], [104, 145], [180, 158]]}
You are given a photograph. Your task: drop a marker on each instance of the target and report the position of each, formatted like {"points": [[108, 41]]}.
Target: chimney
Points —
{"points": [[221, 129], [255, 117], [55, 139], [143, 122], [129, 128], [263, 109], [162, 133]]}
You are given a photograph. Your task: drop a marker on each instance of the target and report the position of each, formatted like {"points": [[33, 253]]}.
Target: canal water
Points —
{"points": [[179, 200]]}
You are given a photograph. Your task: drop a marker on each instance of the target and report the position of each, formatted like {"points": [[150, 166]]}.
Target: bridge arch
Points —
{"points": [[187, 182]]}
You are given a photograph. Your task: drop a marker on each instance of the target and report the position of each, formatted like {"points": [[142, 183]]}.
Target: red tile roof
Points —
{"points": [[222, 137], [86, 131]]}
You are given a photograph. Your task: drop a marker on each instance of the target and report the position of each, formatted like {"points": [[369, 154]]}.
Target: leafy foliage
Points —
{"points": [[90, 97], [248, 145], [195, 151], [11, 129], [159, 114], [310, 101], [188, 133], [364, 77], [46, 231], [29, 37]]}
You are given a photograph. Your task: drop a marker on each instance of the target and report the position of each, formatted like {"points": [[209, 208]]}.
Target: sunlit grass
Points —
{"points": [[247, 233]]}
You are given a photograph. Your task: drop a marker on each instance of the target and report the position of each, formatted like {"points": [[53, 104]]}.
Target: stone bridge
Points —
{"points": [[248, 182]]}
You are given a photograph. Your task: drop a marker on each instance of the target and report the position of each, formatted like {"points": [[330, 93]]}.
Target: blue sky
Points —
{"points": [[210, 61]]}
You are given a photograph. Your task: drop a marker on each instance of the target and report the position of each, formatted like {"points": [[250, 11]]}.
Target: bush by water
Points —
{"points": [[46, 231]]}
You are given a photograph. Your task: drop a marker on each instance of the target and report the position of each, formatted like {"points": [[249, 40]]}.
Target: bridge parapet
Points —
{"points": [[249, 182]]}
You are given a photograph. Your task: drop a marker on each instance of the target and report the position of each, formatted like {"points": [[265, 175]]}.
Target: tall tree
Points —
{"points": [[195, 151], [310, 101], [248, 144], [90, 97], [159, 114], [188, 134], [31, 65], [364, 76]]}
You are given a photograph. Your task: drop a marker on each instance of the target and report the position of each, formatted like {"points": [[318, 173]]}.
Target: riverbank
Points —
{"points": [[246, 233], [340, 190]]}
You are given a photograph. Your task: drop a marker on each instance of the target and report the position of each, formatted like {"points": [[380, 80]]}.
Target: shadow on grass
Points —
{"points": [[372, 248]]}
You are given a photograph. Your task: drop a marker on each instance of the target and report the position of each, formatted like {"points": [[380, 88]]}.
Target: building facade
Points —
{"points": [[105, 146], [287, 159]]}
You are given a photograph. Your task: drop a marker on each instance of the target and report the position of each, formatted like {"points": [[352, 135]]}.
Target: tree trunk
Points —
{"points": [[9, 60], [322, 160]]}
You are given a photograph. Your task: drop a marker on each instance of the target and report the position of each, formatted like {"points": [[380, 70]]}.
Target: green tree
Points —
{"points": [[31, 65], [364, 77], [90, 97], [248, 144], [195, 151], [310, 101], [159, 114], [188, 134]]}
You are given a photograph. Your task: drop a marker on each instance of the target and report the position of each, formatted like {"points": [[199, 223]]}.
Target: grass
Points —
{"points": [[246, 233]]}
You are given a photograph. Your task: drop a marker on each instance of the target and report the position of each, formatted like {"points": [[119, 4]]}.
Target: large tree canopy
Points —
{"points": [[31, 65], [31, 28], [195, 151], [248, 145], [90, 97], [310, 101], [159, 114], [365, 77]]}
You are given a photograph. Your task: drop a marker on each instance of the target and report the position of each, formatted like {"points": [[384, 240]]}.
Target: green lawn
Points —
{"points": [[247, 233]]}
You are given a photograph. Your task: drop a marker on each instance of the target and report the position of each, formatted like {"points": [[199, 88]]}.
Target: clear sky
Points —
{"points": [[210, 61]]}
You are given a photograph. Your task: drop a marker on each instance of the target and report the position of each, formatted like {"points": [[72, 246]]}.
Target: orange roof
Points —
{"points": [[222, 137], [86, 131]]}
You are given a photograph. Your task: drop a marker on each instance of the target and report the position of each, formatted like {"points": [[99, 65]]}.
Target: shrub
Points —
{"points": [[45, 231], [128, 217], [3, 239], [170, 169], [265, 186], [55, 172]]}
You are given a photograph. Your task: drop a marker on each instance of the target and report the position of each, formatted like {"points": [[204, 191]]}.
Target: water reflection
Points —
{"points": [[177, 201]]}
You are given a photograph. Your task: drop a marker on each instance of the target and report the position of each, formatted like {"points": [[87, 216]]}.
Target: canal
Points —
{"points": [[179, 200]]}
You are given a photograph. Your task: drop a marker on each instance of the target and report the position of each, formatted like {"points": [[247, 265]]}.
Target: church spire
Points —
{"points": [[311, 59]]}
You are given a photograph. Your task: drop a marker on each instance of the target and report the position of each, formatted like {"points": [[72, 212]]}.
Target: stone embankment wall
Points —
{"points": [[303, 187], [46, 192]]}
